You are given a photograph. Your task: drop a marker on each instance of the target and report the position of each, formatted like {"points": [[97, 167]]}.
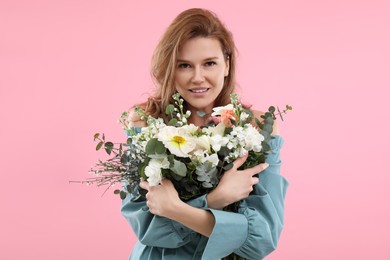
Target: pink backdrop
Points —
{"points": [[68, 68]]}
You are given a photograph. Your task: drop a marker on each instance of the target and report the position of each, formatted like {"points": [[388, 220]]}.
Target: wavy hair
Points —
{"points": [[189, 24]]}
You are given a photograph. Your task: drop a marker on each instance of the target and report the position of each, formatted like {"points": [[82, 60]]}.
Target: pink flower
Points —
{"points": [[227, 116]]}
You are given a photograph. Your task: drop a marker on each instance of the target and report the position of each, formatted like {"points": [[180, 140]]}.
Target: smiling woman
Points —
{"points": [[201, 70], [196, 58]]}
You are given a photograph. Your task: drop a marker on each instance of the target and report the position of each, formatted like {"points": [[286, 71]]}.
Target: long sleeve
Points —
{"points": [[157, 231], [254, 231]]}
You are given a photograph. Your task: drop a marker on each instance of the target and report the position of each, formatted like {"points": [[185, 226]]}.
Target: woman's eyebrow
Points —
{"points": [[210, 58]]}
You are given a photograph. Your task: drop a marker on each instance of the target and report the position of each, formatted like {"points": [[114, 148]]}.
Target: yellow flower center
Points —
{"points": [[179, 139]]}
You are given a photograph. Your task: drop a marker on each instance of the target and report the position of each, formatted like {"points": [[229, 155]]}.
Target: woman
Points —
{"points": [[196, 57]]}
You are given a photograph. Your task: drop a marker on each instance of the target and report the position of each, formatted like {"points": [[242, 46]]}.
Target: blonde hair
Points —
{"points": [[189, 24]]}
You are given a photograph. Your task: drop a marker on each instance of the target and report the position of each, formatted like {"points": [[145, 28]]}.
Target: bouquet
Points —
{"points": [[193, 158]]}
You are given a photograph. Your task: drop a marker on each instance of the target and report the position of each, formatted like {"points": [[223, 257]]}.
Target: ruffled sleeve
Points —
{"points": [[254, 231]]}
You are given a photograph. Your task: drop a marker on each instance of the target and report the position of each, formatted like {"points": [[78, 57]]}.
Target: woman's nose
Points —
{"points": [[198, 76]]}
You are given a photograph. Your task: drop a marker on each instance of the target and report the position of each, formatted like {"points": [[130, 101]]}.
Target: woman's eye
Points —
{"points": [[184, 65], [210, 63]]}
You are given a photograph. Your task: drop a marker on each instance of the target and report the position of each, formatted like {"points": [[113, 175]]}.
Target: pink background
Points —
{"points": [[68, 68]]}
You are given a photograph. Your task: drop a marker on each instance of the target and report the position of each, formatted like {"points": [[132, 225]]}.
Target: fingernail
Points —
{"points": [[266, 165]]}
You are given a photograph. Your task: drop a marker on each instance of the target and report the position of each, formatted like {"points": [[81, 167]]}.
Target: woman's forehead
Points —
{"points": [[200, 48]]}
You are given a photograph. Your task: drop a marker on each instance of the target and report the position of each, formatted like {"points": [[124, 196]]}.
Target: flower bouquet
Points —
{"points": [[193, 158]]}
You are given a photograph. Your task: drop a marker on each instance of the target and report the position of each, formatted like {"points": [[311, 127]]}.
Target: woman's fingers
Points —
{"points": [[144, 185], [258, 168]]}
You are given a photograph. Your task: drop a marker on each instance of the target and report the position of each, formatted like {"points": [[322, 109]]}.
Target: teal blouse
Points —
{"points": [[253, 232]]}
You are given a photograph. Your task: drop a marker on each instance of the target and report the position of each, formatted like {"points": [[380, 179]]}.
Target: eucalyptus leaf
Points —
{"points": [[228, 166], [268, 128], [99, 145], [173, 122], [117, 191], [179, 168], [96, 136], [154, 146], [203, 178], [258, 123], [123, 194], [108, 147], [125, 159], [271, 109], [207, 185], [169, 110], [223, 152]]}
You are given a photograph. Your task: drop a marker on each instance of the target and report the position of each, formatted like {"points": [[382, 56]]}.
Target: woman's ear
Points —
{"points": [[227, 63]]}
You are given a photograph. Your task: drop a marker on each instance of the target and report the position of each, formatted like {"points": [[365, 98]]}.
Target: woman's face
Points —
{"points": [[200, 73]]}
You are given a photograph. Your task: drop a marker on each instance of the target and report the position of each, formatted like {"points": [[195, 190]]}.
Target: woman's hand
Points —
{"points": [[234, 185], [162, 199]]}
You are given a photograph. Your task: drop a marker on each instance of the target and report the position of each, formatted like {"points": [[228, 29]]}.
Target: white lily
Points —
{"points": [[177, 140]]}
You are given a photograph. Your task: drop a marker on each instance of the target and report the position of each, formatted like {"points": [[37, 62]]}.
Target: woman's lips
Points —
{"points": [[199, 90]]}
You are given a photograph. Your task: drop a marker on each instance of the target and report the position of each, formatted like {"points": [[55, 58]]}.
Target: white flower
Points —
{"points": [[203, 143], [214, 130], [217, 141], [165, 163], [218, 110], [243, 116], [191, 129], [153, 172], [177, 140], [252, 139], [213, 159]]}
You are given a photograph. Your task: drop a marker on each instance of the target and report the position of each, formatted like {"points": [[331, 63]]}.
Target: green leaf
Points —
{"points": [[128, 188], [258, 123], [288, 107], [171, 158], [268, 128], [280, 114], [228, 166], [108, 147], [122, 194], [96, 136], [172, 122], [99, 145], [169, 110], [223, 152], [117, 191], [179, 168], [125, 158], [154, 146], [141, 169]]}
